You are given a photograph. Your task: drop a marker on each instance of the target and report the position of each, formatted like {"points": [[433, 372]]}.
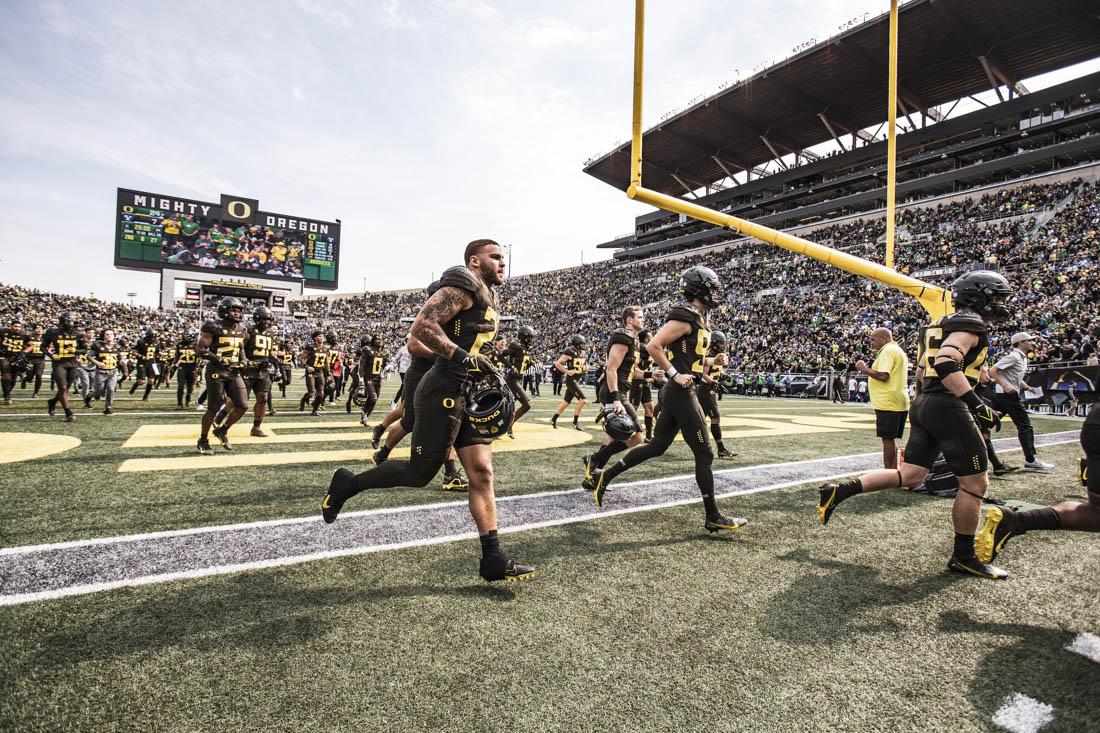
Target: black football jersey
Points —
{"points": [[316, 358], [932, 338], [371, 363], [688, 352], [226, 342], [515, 358], [12, 342], [574, 362], [258, 346], [623, 337], [146, 351], [473, 327], [65, 346], [109, 354]]}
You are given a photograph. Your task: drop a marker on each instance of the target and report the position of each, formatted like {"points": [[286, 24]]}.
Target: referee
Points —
{"points": [[1008, 373], [888, 377]]}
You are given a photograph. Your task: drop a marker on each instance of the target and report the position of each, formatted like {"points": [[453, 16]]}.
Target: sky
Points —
{"points": [[420, 124]]}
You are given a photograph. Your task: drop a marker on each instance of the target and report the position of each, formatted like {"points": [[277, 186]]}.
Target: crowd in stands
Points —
{"points": [[783, 313]]}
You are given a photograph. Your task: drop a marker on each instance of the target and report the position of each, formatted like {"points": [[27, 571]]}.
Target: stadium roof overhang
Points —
{"points": [[947, 49]]}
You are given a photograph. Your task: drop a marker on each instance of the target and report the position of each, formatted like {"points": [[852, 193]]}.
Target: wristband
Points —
{"points": [[672, 372], [460, 356], [972, 400]]}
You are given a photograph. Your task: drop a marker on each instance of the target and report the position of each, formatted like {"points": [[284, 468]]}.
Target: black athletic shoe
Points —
{"points": [[500, 567], [974, 566], [719, 523], [337, 489], [378, 458], [553, 421], [87, 403], [222, 434], [1000, 525], [347, 407], [724, 453], [577, 427], [377, 437], [455, 482], [51, 407], [69, 416], [1005, 470], [257, 433], [597, 485], [108, 411], [828, 498], [204, 447], [586, 460]]}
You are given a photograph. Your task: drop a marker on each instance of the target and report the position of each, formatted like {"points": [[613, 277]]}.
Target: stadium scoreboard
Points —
{"points": [[233, 236]]}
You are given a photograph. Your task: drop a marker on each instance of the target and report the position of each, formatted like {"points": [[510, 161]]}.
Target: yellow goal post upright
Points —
{"points": [[934, 299]]}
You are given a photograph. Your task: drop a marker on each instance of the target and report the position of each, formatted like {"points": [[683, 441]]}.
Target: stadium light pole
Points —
{"points": [[932, 298], [131, 296], [892, 134]]}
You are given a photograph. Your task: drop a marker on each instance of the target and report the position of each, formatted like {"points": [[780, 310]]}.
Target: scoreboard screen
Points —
{"points": [[154, 231]]}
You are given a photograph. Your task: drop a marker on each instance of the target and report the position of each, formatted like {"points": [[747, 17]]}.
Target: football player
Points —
{"points": [[946, 415], [641, 386], [186, 371], [516, 357], [36, 366], [104, 355], [622, 357], [571, 365], [13, 344], [258, 353], [708, 387], [85, 373], [146, 352], [686, 337], [371, 363], [286, 366], [315, 359], [333, 366], [221, 344], [463, 309], [64, 344], [356, 382]]}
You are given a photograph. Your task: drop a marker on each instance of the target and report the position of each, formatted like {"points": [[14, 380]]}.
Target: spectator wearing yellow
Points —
{"points": [[888, 382]]}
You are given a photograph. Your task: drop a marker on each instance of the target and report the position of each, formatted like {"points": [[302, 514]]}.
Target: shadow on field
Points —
{"points": [[825, 608], [1033, 661], [251, 611]]}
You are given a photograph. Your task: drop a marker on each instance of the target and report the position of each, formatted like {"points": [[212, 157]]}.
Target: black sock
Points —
{"points": [[710, 506], [451, 469], [600, 457], [133, 387], [384, 452], [148, 389], [256, 422], [575, 418], [964, 545], [1045, 518], [649, 426], [490, 545]]}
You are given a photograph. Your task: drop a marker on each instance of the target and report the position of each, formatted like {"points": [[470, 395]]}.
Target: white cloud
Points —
{"points": [[555, 32], [392, 15], [325, 12]]}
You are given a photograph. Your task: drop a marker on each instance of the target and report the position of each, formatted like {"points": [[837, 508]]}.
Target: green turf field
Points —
{"points": [[637, 621]]}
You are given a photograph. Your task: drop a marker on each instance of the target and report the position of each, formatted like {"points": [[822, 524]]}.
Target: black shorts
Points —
{"points": [[441, 418], [63, 375], [221, 387], [515, 383], [890, 424], [606, 398], [145, 370], [942, 423], [641, 392], [413, 377], [315, 383], [573, 390], [260, 384], [1090, 442], [286, 374], [708, 400]]}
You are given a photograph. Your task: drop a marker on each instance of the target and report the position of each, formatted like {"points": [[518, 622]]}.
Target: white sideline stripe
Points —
{"points": [[1023, 714], [76, 590], [27, 549], [1087, 645]]}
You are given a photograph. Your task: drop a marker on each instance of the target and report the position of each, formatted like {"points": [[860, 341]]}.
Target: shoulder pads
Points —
{"points": [[211, 328], [621, 336], [684, 313], [569, 351], [460, 276], [966, 322]]}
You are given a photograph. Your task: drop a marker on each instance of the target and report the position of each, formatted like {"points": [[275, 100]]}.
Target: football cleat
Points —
{"points": [[363, 420], [1005, 470], [724, 453], [51, 406], [337, 488], [828, 498], [576, 426], [87, 402], [347, 407], [222, 434], [108, 411], [377, 437], [1000, 525], [553, 421], [721, 522], [455, 482], [586, 459], [69, 417], [597, 485], [204, 447], [378, 458], [500, 567], [974, 566], [257, 433]]}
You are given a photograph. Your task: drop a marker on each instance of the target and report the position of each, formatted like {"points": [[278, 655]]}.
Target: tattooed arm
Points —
{"points": [[447, 303]]}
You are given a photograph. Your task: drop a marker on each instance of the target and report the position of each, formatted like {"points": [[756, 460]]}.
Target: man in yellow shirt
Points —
{"points": [[888, 383]]}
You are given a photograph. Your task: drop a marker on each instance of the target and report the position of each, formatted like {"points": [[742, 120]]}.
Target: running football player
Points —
{"points": [[221, 344], [454, 324], [641, 386], [686, 337], [64, 344], [516, 357], [186, 371], [315, 358], [258, 353], [708, 387], [13, 343], [146, 352], [946, 415], [571, 365]]}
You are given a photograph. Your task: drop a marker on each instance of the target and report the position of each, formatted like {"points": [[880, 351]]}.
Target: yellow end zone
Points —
{"points": [[16, 447]]}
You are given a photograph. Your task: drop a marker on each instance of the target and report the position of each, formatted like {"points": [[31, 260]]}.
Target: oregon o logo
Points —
{"points": [[448, 402], [128, 209], [239, 210], [312, 237]]}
